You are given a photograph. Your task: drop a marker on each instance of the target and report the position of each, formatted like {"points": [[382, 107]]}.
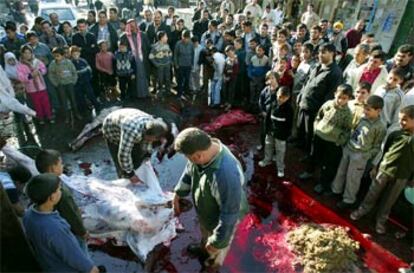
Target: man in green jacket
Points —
{"points": [[215, 179], [395, 169]]}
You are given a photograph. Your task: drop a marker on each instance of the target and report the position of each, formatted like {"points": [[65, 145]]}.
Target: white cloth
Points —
{"points": [[408, 98], [11, 70]]}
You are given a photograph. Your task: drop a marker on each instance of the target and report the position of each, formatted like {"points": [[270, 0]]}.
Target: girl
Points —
{"points": [[30, 72], [104, 65]]}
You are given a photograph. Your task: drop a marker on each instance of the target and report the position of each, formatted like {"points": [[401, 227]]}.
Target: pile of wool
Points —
{"points": [[323, 249]]}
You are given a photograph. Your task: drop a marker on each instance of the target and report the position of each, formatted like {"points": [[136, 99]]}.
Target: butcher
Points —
{"points": [[129, 134]]}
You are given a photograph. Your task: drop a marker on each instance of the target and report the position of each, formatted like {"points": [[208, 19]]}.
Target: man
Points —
{"points": [[301, 35], [13, 40], [248, 34], [264, 38], [361, 55], [403, 59], [213, 34], [157, 25], [309, 17], [315, 38], [319, 87], [229, 5], [253, 11], [169, 18], [129, 134], [354, 35], [40, 50], [50, 37], [37, 26], [113, 18], [54, 20], [201, 25], [91, 18], [147, 20], [215, 180], [104, 31], [198, 12]]}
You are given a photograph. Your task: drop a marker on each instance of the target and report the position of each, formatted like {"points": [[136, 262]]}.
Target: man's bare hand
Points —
{"points": [[135, 180], [176, 205], [211, 249]]}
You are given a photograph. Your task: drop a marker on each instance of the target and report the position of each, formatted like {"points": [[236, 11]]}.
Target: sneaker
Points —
{"points": [[259, 147], [319, 189], [280, 174], [264, 163], [343, 205], [380, 228], [305, 176], [356, 215]]}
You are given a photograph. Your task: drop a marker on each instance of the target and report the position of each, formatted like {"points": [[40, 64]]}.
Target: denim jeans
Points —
{"points": [[83, 245], [214, 92]]}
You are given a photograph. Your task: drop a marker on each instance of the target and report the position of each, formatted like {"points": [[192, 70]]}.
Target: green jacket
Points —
{"points": [[69, 211], [398, 156], [333, 123], [218, 195], [62, 73]]}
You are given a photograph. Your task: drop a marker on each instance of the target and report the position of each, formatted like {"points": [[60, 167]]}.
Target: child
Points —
{"points": [[195, 70], [257, 69], [105, 67], [364, 145], [217, 81], [394, 170], [161, 58], [55, 246], [13, 182], [242, 80], [63, 75], [282, 67], [125, 70], [252, 51], [357, 105], [206, 60], [231, 70], [84, 84], [266, 98], [278, 130], [30, 71], [332, 128], [392, 95], [50, 161]]}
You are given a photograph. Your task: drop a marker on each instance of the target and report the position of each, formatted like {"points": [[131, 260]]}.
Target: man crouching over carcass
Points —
{"points": [[129, 134], [215, 179]]}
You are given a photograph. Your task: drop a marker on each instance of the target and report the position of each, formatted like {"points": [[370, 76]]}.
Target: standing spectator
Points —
{"points": [[147, 20], [282, 67], [161, 58], [392, 171], [319, 87], [206, 60], [332, 130], [30, 71], [55, 23], [301, 35], [257, 69], [229, 5], [242, 80], [40, 50], [183, 61], [310, 18], [315, 38], [50, 37], [361, 55], [307, 62], [169, 18], [157, 25], [201, 25], [176, 33], [357, 105], [338, 39], [364, 145], [231, 70], [99, 5], [37, 26], [114, 20], [67, 32], [264, 38], [125, 70], [56, 247], [83, 86], [272, 17], [326, 30], [139, 45], [282, 41], [393, 96], [91, 19], [372, 72], [86, 41], [213, 34], [13, 40], [403, 59], [63, 76], [248, 35], [354, 34], [105, 67], [198, 12], [255, 11], [216, 82], [196, 68], [104, 31]]}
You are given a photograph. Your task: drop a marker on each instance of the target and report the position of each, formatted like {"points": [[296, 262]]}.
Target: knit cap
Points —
{"points": [[41, 187], [338, 25]]}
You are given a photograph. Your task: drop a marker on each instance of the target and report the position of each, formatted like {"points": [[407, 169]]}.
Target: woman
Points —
{"points": [[67, 32], [30, 71]]}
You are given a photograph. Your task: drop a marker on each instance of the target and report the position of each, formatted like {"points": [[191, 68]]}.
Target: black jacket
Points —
{"points": [[199, 28], [152, 32], [88, 44], [146, 47], [113, 36], [320, 86], [280, 120]]}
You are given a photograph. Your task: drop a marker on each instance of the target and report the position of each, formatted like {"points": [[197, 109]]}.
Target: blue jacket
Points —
{"points": [[83, 69]]}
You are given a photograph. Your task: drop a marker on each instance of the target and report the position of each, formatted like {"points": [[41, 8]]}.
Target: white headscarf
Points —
{"points": [[11, 70]]}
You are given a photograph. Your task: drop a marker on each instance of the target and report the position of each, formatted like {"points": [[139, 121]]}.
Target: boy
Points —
{"points": [[50, 161], [231, 70], [278, 130], [395, 169], [56, 248], [357, 105], [63, 75], [242, 80], [282, 67], [364, 145], [13, 183], [257, 69], [332, 128], [125, 70], [217, 81], [84, 84], [393, 96], [161, 58], [104, 62], [183, 61], [206, 60], [195, 70]]}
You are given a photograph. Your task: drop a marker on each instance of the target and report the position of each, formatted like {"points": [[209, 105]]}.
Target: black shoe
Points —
{"points": [[101, 268], [343, 205], [319, 189], [197, 251]]}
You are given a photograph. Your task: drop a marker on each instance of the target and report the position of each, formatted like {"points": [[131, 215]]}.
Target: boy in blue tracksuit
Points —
{"points": [[257, 69], [125, 70], [84, 85]]}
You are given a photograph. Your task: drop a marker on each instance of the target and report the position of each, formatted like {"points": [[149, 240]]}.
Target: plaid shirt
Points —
{"points": [[126, 127]]}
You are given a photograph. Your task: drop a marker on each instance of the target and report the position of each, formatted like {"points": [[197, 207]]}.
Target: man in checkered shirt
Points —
{"points": [[129, 134]]}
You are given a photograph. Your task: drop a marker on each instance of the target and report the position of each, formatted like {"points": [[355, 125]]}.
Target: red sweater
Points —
{"points": [[105, 62]]}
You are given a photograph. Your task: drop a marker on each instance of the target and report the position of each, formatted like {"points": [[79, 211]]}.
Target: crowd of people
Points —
{"points": [[330, 91]]}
